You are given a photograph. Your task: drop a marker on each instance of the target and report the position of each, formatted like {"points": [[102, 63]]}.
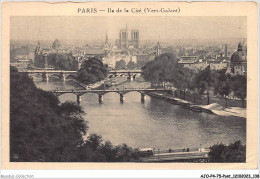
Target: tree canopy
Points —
{"points": [[239, 87], [234, 152], [44, 130], [161, 68], [131, 65], [120, 65], [91, 71], [62, 61], [40, 128], [165, 68]]}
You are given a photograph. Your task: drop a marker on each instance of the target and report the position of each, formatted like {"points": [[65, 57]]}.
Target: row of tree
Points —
{"points": [[165, 68], [44, 130], [223, 84]]}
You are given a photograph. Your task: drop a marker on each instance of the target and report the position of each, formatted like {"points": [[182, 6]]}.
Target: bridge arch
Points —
{"points": [[54, 75], [137, 75], [70, 76], [101, 93], [111, 75]]}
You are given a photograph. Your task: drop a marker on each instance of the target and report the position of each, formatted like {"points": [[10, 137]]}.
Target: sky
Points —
{"points": [[150, 28]]}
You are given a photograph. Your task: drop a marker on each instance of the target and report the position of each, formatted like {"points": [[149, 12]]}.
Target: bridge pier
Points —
{"points": [[45, 77], [63, 77], [122, 98], [142, 97], [100, 98], [45, 61], [78, 99], [130, 77], [30, 75]]}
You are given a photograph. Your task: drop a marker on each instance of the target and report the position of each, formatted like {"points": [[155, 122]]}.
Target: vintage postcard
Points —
{"points": [[129, 85]]}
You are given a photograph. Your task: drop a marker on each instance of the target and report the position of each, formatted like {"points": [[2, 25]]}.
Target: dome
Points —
{"points": [[56, 44], [238, 56]]}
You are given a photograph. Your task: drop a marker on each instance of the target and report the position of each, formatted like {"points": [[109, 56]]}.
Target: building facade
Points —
{"points": [[124, 42]]}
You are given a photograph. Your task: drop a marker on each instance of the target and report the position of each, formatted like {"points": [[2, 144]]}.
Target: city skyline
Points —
{"points": [[161, 28]]}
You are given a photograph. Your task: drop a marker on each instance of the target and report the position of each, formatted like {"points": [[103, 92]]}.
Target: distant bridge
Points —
{"points": [[121, 92], [63, 74], [125, 71]]}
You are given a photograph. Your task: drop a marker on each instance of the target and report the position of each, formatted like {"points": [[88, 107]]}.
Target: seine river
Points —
{"points": [[154, 123]]}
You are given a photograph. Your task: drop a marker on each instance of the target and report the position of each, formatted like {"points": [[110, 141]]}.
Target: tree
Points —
{"points": [[91, 71], [183, 79], [239, 85], [42, 129], [161, 68], [141, 63], [94, 141], [120, 65], [131, 65], [202, 82], [96, 151], [165, 68], [62, 61], [235, 152], [222, 85], [85, 77]]}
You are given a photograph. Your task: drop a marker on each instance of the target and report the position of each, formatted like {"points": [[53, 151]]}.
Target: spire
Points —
{"points": [[38, 48], [239, 48], [158, 49], [106, 42]]}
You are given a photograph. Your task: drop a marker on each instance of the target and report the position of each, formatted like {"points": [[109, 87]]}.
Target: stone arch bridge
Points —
{"points": [[62, 74], [121, 92]]}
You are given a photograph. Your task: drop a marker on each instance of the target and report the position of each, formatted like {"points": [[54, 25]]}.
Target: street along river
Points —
{"points": [[154, 123]]}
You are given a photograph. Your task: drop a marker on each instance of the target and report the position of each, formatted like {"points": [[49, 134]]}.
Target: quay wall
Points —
{"points": [[183, 103]]}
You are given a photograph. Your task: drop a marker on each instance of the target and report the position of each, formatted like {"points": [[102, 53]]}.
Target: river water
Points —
{"points": [[154, 123]]}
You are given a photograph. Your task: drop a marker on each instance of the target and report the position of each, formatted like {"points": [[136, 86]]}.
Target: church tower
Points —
{"points": [[123, 38], [37, 49], [158, 49], [106, 45]]}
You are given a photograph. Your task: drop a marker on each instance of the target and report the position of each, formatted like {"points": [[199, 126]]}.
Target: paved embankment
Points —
{"points": [[183, 103], [211, 109]]}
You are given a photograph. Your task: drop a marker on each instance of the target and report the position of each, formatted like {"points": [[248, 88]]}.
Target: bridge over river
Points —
{"points": [[63, 74], [101, 92]]}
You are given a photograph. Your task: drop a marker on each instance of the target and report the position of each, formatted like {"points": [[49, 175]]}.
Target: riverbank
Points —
{"points": [[211, 109], [128, 119], [230, 111]]}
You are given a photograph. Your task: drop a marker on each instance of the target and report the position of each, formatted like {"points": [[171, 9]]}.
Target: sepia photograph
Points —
{"points": [[162, 89]]}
